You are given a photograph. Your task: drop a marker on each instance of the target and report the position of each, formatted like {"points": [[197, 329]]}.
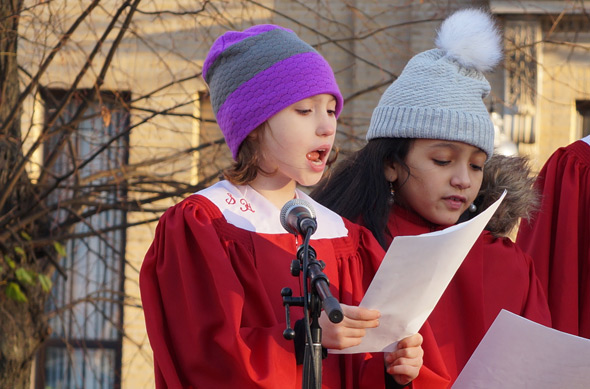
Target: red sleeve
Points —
{"points": [[536, 307], [433, 374], [557, 238], [193, 298], [364, 370]]}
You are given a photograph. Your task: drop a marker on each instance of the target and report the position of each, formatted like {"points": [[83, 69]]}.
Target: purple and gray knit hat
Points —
{"points": [[254, 74]]}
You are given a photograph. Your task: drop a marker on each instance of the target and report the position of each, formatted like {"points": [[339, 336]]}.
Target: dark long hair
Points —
{"points": [[357, 188]]}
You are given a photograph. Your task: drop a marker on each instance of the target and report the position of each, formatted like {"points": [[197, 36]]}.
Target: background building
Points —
{"points": [[154, 102]]}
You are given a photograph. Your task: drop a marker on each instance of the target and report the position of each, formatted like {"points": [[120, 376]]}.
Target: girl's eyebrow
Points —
{"points": [[444, 145], [317, 97], [453, 146]]}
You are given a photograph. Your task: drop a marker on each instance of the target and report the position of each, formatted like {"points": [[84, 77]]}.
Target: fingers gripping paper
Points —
{"points": [[411, 279]]}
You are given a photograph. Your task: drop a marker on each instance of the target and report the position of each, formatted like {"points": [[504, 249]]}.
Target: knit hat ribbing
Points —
{"points": [[255, 73], [439, 93]]}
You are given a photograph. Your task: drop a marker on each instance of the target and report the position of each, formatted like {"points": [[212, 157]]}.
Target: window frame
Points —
{"points": [[51, 99]]}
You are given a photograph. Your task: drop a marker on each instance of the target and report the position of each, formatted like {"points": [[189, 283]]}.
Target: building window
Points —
{"points": [[86, 307], [521, 79], [583, 108]]}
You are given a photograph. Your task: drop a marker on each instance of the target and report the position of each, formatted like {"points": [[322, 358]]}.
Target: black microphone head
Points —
{"points": [[295, 213]]}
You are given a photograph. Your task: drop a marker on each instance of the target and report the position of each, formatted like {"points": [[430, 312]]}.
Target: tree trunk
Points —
{"points": [[22, 324], [9, 11]]}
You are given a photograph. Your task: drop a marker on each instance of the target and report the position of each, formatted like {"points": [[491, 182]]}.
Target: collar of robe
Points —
{"points": [[247, 209]]}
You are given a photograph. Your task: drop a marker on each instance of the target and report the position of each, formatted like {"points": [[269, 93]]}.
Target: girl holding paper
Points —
{"points": [[429, 139], [211, 280]]}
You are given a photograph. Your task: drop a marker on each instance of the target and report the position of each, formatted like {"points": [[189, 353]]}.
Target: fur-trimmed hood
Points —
{"points": [[511, 173]]}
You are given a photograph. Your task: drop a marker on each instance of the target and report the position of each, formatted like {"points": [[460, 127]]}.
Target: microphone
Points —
{"points": [[298, 217]]}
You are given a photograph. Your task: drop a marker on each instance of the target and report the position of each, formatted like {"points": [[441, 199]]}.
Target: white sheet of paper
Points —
{"points": [[519, 353], [411, 279]]}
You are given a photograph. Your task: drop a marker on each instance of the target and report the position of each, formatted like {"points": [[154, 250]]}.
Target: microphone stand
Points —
{"points": [[316, 293]]}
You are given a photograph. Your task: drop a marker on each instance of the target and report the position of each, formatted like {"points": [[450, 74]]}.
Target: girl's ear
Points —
{"points": [[390, 172], [254, 135]]}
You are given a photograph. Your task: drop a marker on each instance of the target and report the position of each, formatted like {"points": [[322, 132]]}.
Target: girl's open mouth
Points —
{"points": [[317, 156]]}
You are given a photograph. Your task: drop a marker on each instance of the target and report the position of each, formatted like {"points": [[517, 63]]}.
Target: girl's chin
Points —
{"points": [[444, 220], [310, 180], [449, 221]]}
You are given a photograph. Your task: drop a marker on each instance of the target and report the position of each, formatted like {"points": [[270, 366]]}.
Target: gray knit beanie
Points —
{"points": [[439, 93]]}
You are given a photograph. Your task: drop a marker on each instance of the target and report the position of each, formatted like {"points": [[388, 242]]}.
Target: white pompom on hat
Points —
{"points": [[439, 94]]}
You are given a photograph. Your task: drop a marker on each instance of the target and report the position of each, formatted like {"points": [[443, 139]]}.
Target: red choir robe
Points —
{"points": [[211, 291], [495, 275], [558, 237]]}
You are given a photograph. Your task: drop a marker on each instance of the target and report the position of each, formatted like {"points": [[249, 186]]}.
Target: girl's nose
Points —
{"points": [[326, 125], [461, 178]]}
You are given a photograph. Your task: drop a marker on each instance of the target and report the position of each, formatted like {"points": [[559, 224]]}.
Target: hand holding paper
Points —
{"points": [[411, 279]]}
